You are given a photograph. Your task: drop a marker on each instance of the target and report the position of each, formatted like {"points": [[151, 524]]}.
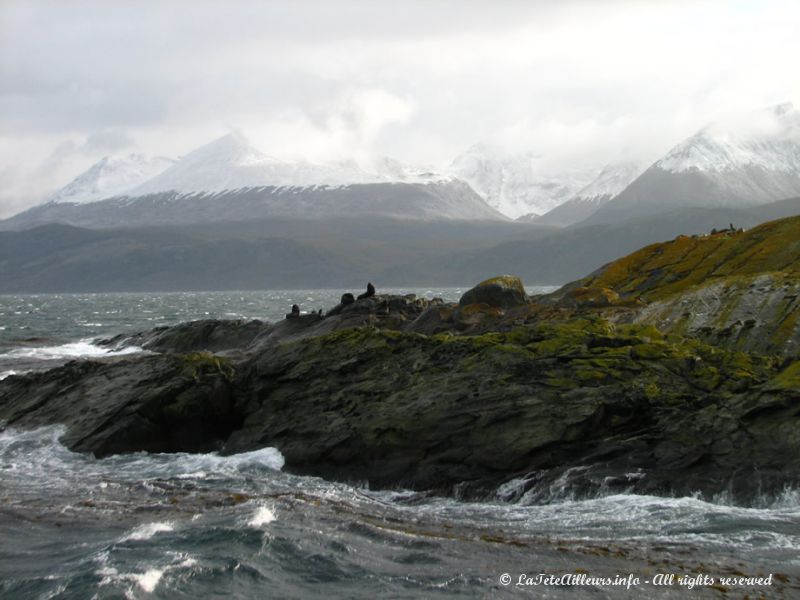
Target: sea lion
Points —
{"points": [[369, 293]]}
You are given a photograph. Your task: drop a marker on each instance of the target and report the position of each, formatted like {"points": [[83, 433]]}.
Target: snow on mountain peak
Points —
{"points": [[110, 176], [233, 149], [519, 184], [767, 139], [611, 181], [231, 162]]}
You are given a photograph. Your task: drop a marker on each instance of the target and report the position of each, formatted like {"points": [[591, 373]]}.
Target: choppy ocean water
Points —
{"points": [[40, 330], [197, 526]]}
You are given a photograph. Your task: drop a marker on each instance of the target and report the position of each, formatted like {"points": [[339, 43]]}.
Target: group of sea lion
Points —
{"points": [[347, 298]]}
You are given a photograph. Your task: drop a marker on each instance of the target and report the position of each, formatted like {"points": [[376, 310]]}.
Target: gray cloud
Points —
{"points": [[420, 80], [99, 143], [107, 141]]}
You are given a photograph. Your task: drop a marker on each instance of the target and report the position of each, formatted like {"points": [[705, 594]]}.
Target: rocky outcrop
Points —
{"points": [[621, 407], [157, 403], [581, 403]]}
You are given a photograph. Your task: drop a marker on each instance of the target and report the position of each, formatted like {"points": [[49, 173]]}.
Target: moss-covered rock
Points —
{"points": [[434, 411], [736, 289], [591, 297], [198, 364], [788, 378]]}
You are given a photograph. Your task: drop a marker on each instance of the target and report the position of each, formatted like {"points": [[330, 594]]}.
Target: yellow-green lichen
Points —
{"points": [[198, 364], [789, 378], [506, 281], [661, 270]]}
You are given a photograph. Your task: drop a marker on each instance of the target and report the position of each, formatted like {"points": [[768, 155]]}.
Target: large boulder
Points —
{"points": [[505, 291]]}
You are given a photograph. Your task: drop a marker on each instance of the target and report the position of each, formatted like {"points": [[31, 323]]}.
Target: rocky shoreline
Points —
{"points": [[498, 392]]}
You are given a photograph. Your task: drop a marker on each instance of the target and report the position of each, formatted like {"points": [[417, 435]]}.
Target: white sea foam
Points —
{"points": [[82, 349], [148, 580], [147, 530], [5, 374], [202, 466], [264, 515], [685, 520], [26, 454]]}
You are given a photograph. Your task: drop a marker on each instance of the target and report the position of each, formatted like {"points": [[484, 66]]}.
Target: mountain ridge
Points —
{"points": [[413, 201], [612, 180], [109, 177]]}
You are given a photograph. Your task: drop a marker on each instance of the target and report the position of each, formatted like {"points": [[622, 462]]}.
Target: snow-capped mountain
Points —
{"points": [[519, 184], [232, 163], [744, 161], [229, 180], [768, 139], [111, 176], [610, 182]]}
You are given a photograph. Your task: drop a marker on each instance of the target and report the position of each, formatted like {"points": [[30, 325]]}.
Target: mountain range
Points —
{"points": [[226, 216], [737, 162], [229, 180], [513, 185]]}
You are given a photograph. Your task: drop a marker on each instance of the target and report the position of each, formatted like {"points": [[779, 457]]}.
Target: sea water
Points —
{"points": [[45, 330], [202, 525]]}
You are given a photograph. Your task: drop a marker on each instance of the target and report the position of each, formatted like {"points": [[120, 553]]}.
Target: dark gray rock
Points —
{"points": [[157, 403], [204, 335]]}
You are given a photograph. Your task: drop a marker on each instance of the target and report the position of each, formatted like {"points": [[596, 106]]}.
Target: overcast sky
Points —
{"points": [[421, 81]]}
